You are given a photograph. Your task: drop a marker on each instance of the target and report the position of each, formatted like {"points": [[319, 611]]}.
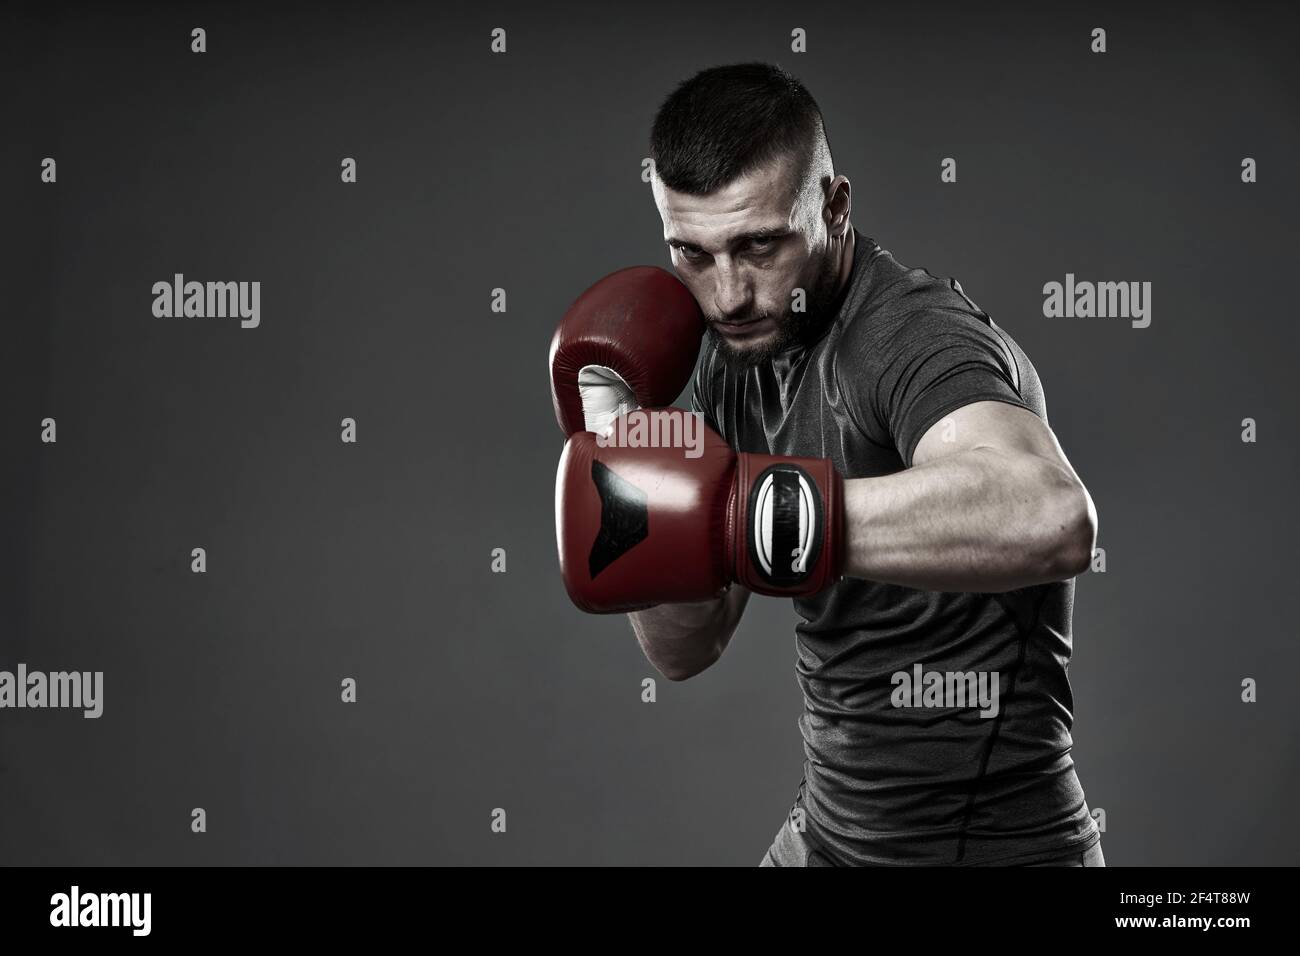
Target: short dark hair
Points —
{"points": [[726, 121]]}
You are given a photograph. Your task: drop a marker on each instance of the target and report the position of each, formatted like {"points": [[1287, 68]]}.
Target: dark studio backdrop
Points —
{"points": [[522, 171]]}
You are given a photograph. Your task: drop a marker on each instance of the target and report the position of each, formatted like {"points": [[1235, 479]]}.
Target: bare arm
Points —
{"points": [[681, 640], [990, 504]]}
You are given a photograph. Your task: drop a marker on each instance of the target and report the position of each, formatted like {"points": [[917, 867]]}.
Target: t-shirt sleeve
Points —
{"points": [[910, 372]]}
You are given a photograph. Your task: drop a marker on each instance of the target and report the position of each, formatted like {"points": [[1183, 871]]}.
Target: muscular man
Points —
{"points": [[962, 521]]}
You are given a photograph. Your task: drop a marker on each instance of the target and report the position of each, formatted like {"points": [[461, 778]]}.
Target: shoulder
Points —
{"points": [[905, 310]]}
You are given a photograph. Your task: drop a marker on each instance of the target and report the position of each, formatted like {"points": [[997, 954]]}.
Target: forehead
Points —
{"points": [[762, 198]]}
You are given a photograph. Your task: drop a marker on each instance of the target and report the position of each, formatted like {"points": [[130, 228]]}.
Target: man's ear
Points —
{"points": [[839, 204]]}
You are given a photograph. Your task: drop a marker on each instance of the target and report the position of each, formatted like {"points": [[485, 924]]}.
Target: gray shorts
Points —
{"points": [[791, 848]]}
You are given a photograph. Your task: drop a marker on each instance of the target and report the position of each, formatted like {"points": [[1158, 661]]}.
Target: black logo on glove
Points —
{"points": [[624, 518]]}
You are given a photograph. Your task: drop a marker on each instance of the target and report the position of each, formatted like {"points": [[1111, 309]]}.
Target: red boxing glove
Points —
{"points": [[643, 526], [629, 341]]}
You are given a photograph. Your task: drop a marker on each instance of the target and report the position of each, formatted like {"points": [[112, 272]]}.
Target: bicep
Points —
{"points": [[1000, 426]]}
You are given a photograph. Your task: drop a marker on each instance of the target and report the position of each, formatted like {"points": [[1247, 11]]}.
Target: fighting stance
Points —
{"points": [[877, 449]]}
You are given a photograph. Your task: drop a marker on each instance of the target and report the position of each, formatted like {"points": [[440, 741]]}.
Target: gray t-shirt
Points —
{"points": [[886, 784]]}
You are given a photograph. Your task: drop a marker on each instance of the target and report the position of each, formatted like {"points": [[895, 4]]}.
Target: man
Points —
{"points": [[935, 520]]}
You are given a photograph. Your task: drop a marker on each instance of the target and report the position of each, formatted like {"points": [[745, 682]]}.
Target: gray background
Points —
{"points": [[522, 171]]}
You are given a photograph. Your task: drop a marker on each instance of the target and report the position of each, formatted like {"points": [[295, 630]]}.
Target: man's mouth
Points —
{"points": [[745, 327]]}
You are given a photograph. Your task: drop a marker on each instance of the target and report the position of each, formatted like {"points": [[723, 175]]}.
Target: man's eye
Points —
{"points": [[764, 244], [689, 252]]}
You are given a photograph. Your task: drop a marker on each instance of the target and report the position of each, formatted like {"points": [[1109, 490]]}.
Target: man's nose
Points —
{"points": [[733, 293]]}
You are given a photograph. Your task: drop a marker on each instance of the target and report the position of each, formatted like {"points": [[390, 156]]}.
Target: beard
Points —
{"points": [[792, 328]]}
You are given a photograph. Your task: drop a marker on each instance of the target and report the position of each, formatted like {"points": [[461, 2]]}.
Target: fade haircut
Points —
{"points": [[727, 121]]}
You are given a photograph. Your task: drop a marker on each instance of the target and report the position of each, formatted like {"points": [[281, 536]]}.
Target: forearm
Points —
{"points": [[980, 520], [681, 640]]}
